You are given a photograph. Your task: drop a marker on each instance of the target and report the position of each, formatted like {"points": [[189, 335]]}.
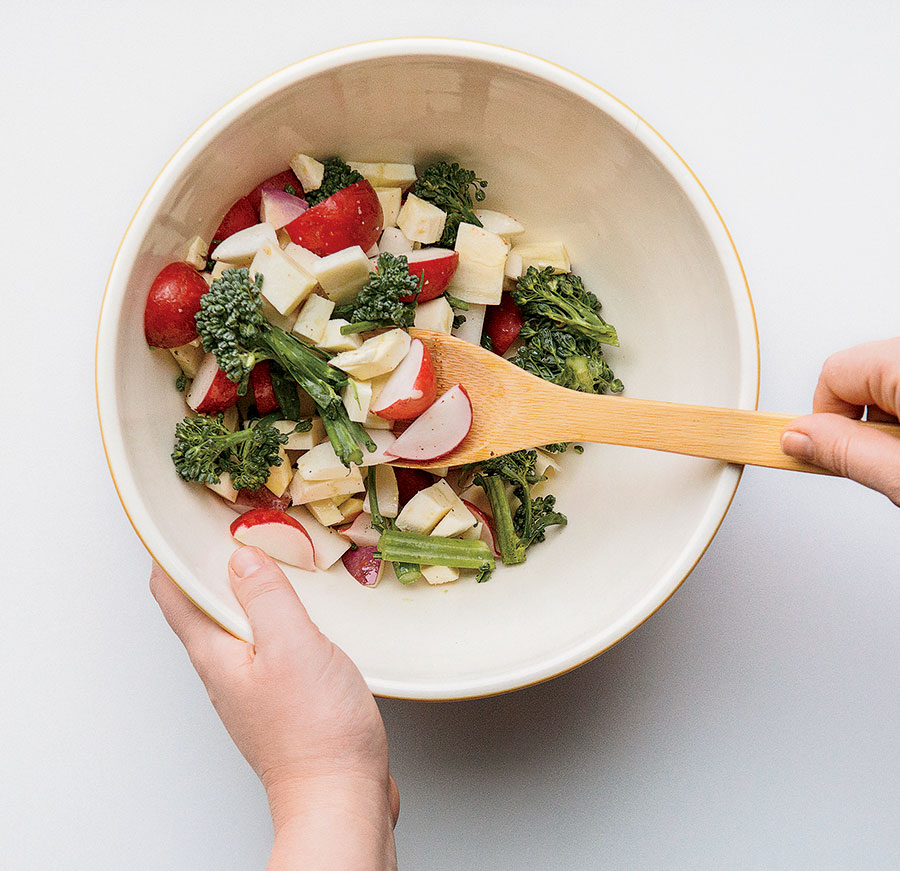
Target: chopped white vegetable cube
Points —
{"points": [[436, 314], [321, 463], [372, 254], [383, 440], [303, 492], [303, 257], [513, 268], [473, 533], [440, 574], [276, 318], [308, 170], [545, 463], [231, 419], [220, 267], [333, 340], [543, 254], [224, 488], [352, 507], [387, 492], [455, 522], [427, 508], [197, 251], [470, 330], [390, 199], [482, 259], [241, 247], [497, 222], [342, 274], [393, 241], [375, 356], [440, 471], [420, 220], [280, 476], [313, 318], [189, 357], [301, 441], [385, 175], [325, 511], [373, 421], [285, 284], [357, 397]]}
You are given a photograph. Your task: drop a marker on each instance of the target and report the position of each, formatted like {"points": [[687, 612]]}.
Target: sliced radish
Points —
{"points": [[363, 565], [361, 532], [410, 481], [240, 248], [279, 208], [278, 534], [263, 498], [502, 324], [487, 526], [277, 182], [240, 216], [384, 441], [328, 544], [211, 391], [411, 387], [435, 266], [439, 430], [172, 302], [262, 387]]}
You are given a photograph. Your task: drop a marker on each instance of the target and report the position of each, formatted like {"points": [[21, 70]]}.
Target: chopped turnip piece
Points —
{"points": [[376, 356], [301, 441], [386, 175], [189, 357], [390, 199], [386, 491], [482, 258], [313, 318], [303, 491], [240, 248], [351, 508], [285, 284], [393, 241], [280, 476], [341, 275], [471, 329], [224, 488], [321, 463], [497, 222], [357, 398], [335, 341], [427, 508], [440, 574], [455, 522], [421, 221], [308, 170], [197, 251], [302, 257], [436, 315], [542, 255], [325, 511]]}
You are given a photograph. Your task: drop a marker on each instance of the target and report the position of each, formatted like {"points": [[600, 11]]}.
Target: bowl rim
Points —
{"points": [[111, 305]]}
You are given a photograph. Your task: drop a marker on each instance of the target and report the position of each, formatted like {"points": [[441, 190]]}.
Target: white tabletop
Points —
{"points": [[753, 722]]}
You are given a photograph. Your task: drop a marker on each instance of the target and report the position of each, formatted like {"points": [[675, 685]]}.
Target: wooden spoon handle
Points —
{"points": [[734, 435]]}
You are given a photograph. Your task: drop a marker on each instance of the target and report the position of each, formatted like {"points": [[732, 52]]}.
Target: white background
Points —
{"points": [[754, 722]]}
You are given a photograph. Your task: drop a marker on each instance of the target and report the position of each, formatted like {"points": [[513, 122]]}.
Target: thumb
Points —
{"points": [[273, 608], [849, 448]]}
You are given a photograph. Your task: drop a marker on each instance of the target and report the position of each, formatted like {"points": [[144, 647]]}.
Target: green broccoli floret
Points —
{"points": [[338, 175], [387, 299], [532, 520], [562, 299], [455, 190], [232, 326], [205, 448]]}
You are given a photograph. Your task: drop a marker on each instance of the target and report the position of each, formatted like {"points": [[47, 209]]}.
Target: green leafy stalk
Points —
{"points": [[387, 299], [338, 175], [406, 572], [205, 449], [435, 550], [455, 190], [285, 389]]}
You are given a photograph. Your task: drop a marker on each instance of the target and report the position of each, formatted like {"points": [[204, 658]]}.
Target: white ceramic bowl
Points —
{"points": [[573, 164]]}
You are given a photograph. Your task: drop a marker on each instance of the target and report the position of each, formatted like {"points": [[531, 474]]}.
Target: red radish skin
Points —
{"points": [[361, 532], [502, 324], [487, 526], [277, 182], [438, 430], [411, 388], [172, 302], [435, 266], [410, 481], [262, 498], [352, 216], [263, 391], [363, 565], [278, 534], [240, 216], [211, 391]]}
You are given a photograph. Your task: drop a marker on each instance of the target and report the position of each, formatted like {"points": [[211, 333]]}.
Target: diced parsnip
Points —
{"points": [[240, 248], [220, 267], [455, 522], [308, 170], [329, 546], [375, 356], [373, 421], [321, 463], [274, 317], [372, 254], [357, 398], [340, 500], [393, 241], [482, 259], [543, 254], [280, 476], [513, 268], [387, 492], [231, 419], [497, 222], [325, 511], [313, 318], [224, 488], [471, 329], [352, 507], [189, 358], [283, 238], [196, 254], [390, 205], [378, 383], [385, 175], [421, 221], [440, 574], [303, 257], [303, 491], [341, 275], [440, 471], [301, 441], [427, 508], [436, 314], [333, 340], [285, 284], [473, 533], [545, 463]]}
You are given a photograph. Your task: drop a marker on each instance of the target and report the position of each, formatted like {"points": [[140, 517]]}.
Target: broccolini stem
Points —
{"points": [[508, 543], [360, 327], [434, 550], [407, 573]]}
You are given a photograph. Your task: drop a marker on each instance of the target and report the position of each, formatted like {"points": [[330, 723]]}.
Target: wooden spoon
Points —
{"points": [[514, 409]]}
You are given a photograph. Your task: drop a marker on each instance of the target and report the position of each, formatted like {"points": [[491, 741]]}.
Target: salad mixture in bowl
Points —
{"points": [[304, 387]]}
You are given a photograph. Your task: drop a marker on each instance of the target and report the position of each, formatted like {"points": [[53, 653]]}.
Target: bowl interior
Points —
{"points": [[571, 164]]}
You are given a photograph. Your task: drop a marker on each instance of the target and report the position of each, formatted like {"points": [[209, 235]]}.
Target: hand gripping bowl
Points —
{"points": [[572, 163]]}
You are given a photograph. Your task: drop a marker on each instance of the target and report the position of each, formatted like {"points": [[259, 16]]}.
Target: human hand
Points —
{"points": [[301, 714], [864, 380]]}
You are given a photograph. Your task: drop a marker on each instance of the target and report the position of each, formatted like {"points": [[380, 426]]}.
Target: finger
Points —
{"points": [[847, 448], [865, 375], [275, 612]]}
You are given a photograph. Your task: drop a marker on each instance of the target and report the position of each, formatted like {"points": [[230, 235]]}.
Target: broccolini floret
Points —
{"points": [[338, 175], [455, 190], [387, 299], [232, 326], [205, 449]]}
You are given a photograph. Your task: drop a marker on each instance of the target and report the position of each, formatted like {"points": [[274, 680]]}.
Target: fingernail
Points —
{"points": [[246, 561], [797, 444]]}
